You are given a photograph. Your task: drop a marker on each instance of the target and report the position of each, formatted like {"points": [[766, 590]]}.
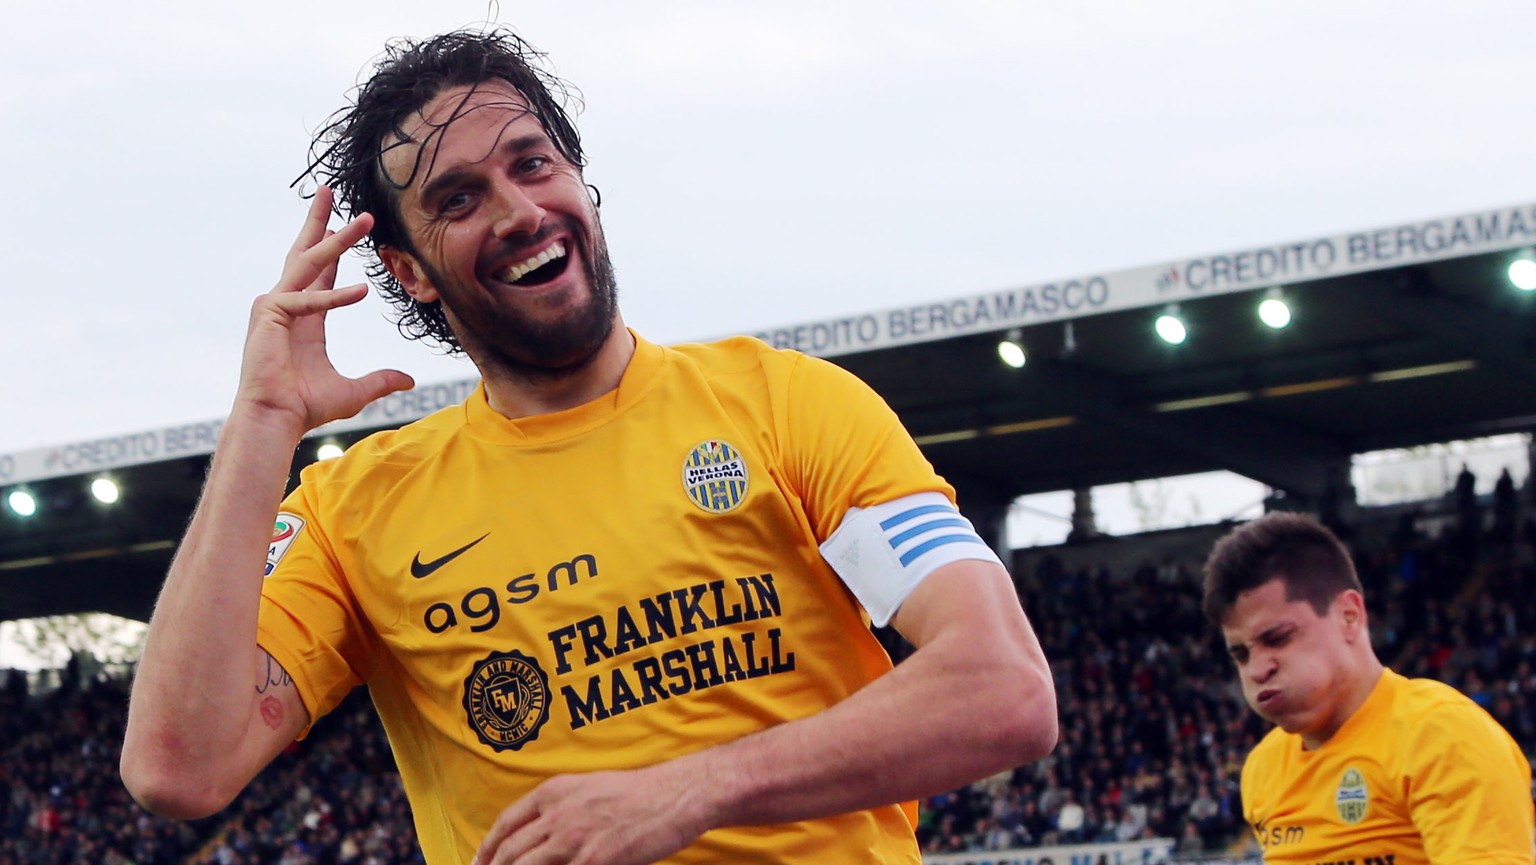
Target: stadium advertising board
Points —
{"points": [[1154, 285], [110, 452], [1146, 852], [198, 439], [1186, 279]]}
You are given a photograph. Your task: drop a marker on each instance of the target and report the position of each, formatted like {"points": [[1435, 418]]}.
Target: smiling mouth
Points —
{"points": [[538, 269]]}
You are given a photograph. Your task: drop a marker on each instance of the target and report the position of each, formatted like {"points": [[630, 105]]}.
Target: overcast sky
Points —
{"points": [[760, 164]]}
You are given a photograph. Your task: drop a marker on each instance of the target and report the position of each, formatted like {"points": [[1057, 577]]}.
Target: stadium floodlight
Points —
{"points": [[22, 503], [329, 451], [1274, 311], [1170, 327], [1010, 349], [1522, 272], [105, 490]]}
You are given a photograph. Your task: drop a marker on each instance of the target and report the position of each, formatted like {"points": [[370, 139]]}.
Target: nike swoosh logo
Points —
{"points": [[421, 569]]}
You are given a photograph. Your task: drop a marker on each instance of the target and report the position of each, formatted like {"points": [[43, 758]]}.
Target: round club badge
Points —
{"points": [[715, 476], [506, 697]]}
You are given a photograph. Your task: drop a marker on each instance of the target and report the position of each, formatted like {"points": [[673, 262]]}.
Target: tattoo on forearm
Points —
{"points": [[276, 677]]}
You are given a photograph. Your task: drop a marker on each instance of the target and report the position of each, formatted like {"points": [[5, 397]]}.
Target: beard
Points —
{"points": [[531, 347]]}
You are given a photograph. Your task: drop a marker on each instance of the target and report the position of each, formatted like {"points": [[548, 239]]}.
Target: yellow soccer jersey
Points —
{"points": [[1419, 774], [601, 588]]}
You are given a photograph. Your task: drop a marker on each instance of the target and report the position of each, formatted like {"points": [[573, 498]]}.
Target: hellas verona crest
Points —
{"points": [[715, 476], [1352, 799]]}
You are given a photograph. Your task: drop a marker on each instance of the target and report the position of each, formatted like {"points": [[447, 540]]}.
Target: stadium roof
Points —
{"points": [[1403, 335]]}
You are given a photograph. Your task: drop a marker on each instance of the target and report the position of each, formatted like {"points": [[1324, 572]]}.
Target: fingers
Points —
{"points": [[382, 383], [327, 277], [519, 814], [304, 303], [304, 267], [312, 261], [530, 845], [315, 222]]}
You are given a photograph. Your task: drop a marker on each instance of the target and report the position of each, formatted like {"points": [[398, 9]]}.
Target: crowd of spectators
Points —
{"points": [[1152, 740], [1153, 726], [332, 799], [1153, 730], [60, 797]]}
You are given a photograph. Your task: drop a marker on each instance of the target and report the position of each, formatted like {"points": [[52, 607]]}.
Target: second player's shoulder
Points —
{"points": [[1419, 701], [1271, 749], [1428, 718], [1263, 768]]}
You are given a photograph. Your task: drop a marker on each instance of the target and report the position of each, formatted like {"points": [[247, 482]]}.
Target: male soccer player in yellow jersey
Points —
{"points": [[613, 609], [1364, 765]]}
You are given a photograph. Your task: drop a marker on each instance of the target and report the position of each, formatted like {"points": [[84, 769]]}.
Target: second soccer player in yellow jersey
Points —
{"points": [[1364, 766]]}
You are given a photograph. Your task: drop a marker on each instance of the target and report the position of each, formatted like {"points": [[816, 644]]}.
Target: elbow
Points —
{"points": [[1028, 732], [166, 788]]}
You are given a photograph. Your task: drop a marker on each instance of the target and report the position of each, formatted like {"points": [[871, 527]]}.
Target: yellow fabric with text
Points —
{"points": [[601, 588]]}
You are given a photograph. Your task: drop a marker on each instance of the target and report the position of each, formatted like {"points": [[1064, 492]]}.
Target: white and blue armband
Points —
{"points": [[882, 553]]}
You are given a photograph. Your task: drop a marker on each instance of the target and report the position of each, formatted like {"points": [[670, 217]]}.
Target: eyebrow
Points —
{"points": [[453, 175]]}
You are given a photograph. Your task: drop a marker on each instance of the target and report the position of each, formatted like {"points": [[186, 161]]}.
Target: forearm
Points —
{"points": [[942, 719], [193, 696], [975, 698]]}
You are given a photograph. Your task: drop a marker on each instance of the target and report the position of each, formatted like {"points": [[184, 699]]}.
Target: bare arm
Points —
{"points": [[209, 707], [976, 697]]}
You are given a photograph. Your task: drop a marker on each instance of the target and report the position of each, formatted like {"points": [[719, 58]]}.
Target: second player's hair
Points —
{"points": [[1295, 548], [348, 152]]}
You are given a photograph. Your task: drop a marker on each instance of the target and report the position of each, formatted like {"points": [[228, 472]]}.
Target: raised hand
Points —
{"points": [[286, 377]]}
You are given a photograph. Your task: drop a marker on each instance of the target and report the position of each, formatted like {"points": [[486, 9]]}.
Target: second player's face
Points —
{"points": [[1292, 662], [503, 230]]}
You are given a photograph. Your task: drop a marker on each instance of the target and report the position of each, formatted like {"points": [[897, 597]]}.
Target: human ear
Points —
{"points": [[1351, 612], [404, 267]]}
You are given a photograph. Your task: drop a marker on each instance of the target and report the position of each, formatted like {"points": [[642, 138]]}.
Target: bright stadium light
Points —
{"points": [[105, 490], [328, 451], [1170, 328], [22, 503], [1522, 272], [1274, 311], [1010, 349]]}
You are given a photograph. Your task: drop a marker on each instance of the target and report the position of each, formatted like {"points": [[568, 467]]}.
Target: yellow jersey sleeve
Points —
{"points": [[308, 621], [1468, 787], [844, 447]]}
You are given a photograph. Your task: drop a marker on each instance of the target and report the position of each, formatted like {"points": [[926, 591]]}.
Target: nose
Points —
{"points": [[1261, 668], [514, 211]]}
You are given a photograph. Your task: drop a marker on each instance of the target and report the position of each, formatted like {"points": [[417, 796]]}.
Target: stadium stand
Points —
{"points": [[1407, 335], [1153, 730]]}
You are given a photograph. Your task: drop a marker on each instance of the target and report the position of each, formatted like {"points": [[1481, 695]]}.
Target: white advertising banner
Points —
{"points": [[1183, 280], [1146, 852], [198, 439], [110, 452]]}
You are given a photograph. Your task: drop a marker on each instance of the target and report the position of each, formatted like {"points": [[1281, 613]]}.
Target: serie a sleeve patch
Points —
{"points": [[883, 553], [284, 530]]}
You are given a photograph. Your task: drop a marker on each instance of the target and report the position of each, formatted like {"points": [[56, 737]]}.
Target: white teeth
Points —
{"points": [[522, 269]]}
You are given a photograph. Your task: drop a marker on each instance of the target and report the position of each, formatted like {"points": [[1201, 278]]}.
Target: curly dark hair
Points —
{"points": [[347, 153], [1296, 548]]}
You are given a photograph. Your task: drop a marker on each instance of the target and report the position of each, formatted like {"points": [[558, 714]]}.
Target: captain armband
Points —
{"points": [[883, 552]]}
